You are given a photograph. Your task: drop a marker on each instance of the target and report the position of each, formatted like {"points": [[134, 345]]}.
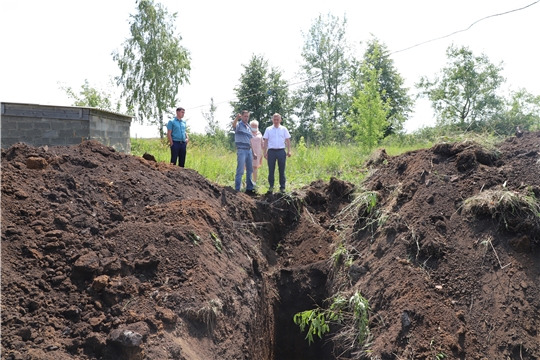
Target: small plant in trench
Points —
{"points": [[217, 242], [363, 205], [364, 209], [436, 355], [341, 255], [350, 314], [194, 237]]}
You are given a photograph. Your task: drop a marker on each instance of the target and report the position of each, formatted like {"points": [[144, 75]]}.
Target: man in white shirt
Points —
{"points": [[276, 139]]}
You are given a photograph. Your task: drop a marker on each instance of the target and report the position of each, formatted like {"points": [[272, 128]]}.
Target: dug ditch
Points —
{"points": [[108, 256]]}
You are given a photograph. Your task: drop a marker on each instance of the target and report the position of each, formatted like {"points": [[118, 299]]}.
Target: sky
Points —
{"points": [[48, 44]]}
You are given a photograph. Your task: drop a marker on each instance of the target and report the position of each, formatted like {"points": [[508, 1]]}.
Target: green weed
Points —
{"points": [[194, 237], [217, 242], [341, 255], [351, 314]]}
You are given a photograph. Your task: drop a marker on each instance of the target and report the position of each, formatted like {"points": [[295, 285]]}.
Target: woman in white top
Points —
{"points": [[257, 146]]}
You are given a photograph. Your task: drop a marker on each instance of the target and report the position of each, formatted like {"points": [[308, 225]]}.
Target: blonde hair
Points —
{"points": [[254, 122]]}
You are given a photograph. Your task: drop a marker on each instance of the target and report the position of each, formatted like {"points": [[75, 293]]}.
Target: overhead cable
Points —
{"points": [[470, 26], [394, 52]]}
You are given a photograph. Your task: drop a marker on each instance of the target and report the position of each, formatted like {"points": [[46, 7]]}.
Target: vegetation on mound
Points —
{"points": [[514, 210]]}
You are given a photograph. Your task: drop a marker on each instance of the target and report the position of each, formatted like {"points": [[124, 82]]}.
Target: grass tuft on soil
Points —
{"points": [[510, 208]]}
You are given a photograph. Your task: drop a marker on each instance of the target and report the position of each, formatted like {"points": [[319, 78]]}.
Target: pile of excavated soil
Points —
{"points": [[106, 255], [111, 256], [445, 280]]}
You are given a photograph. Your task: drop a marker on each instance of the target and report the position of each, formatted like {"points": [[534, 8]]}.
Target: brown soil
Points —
{"points": [[111, 256]]}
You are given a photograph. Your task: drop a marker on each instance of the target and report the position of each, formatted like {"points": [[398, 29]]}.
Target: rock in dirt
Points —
{"points": [[38, 163], [87, 263]]}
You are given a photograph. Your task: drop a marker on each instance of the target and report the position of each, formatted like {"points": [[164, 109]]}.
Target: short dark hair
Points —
{"points": [[180, 108], [244, 111]]}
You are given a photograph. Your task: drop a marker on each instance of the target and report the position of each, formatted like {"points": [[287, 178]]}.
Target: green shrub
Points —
{"points": [[352, 315]]}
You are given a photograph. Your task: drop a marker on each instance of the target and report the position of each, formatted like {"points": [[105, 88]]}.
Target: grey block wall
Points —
{"points": [[39, 125], [110, 129]]}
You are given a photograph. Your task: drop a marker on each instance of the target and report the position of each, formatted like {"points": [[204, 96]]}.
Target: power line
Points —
{"points": [[394, 52], [470, 26]]}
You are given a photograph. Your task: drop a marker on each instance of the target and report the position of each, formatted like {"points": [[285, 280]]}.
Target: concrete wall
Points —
{"points": [[39, 125], [110, 129]]}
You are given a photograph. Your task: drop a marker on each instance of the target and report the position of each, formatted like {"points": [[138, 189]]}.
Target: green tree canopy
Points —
{"points": [[92, 97], [465, 93], [214, 132], [212, 127], [390, 84], [153, 64], [520, 109], [368, 114], [325, 71], [279, 100], [262, 91]]}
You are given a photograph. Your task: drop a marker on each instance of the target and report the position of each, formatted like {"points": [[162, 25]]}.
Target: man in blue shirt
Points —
{"points": [[178, 137], [244, 155]]}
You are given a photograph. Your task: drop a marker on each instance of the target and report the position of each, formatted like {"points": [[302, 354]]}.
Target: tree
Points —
{"points": [[390, 84], [214, 133], [279, 100], [262, 91], [465, 94], [521, 109], [368, 115], [212, 128], [325, 71], [252, 91], [153, 64], [92, 97]]}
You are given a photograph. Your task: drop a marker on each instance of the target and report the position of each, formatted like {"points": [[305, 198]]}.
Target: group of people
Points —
{"points": [[251, 146]]}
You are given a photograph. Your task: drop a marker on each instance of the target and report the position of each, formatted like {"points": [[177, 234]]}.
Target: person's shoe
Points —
{"points": [[251, 192], [282, 191], [270, 190]]}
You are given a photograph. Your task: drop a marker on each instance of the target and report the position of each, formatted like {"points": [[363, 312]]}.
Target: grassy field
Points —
{"points": [[307, 164], [216, 159]]}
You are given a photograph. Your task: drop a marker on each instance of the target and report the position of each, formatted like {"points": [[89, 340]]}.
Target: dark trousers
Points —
{"points": [[280, 156], [178, 151]]}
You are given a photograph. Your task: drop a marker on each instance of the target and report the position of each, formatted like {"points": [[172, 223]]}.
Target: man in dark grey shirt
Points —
{"points": [[244, 155]]}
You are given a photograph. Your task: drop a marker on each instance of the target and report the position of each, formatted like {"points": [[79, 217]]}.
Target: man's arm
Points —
{"points": [[265, 146], [235, 121], [169, 136], [187, 138], [288, 145]]}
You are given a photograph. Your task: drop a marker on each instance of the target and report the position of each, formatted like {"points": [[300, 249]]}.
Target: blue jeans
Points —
{"points": [[178, 151], [280, 156], [244, 159]]}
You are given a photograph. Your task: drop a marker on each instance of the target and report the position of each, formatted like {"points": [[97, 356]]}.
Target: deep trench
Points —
{"points": [[299, 288]]}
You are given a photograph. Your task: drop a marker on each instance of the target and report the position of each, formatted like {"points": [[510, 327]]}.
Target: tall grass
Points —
{"points": [[217, 162], [158, 148]]}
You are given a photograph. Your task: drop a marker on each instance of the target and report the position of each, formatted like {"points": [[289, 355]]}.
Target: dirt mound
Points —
{"points": [[444, 280], [110, 256]]}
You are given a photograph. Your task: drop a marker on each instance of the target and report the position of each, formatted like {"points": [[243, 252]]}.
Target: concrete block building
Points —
{"points": [[39, 125]]}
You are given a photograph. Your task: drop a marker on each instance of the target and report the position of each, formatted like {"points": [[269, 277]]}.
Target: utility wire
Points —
{"points": [[470, 26], [394, 52]]}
